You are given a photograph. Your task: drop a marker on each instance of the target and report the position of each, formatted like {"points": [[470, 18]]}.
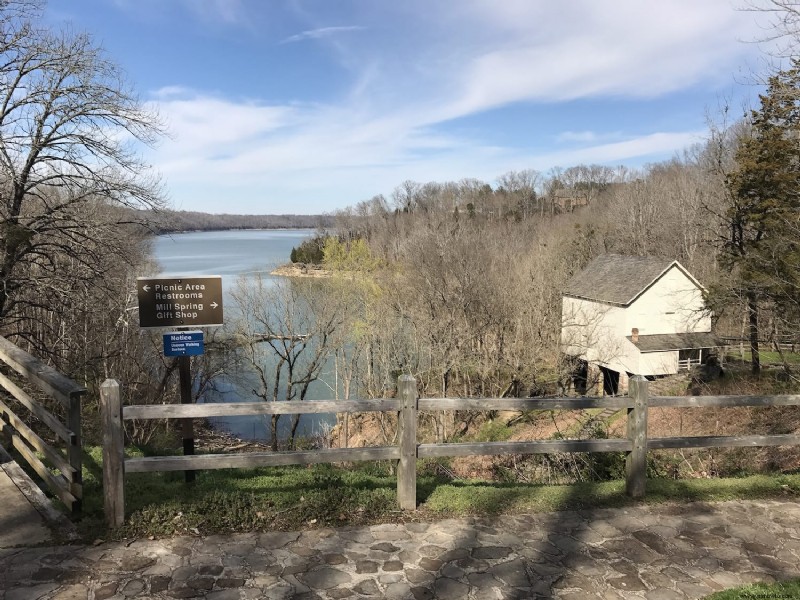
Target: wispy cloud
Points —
{"points": [[635, 50], [399, 114], [637, 147], [320, 32], [577, 136], [317, 157], [201, 125]]}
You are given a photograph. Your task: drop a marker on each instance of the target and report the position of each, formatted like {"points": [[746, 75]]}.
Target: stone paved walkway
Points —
{"points": [[654, 552], [20, 521]]}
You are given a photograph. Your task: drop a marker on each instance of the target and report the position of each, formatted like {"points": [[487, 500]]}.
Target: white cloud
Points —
{"points": [[320, 32], [200, 124], [656, 144], [321, 157], [558, 52], [577, 136], [391, 124]]}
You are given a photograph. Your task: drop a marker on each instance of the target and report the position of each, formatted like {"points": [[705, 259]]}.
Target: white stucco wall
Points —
{"points": [[594, 332], [674, 304]]}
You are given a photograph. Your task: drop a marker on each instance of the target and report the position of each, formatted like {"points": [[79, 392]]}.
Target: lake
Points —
{"points": [[231, 254], [226, 253]]}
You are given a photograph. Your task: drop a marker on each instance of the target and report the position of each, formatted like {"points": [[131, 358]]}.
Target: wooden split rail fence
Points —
{"points": [[65, 458], [407, 405]]}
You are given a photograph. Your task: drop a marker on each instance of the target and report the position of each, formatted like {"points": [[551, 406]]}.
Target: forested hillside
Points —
{"points": [[468, 275], [170, 221]]}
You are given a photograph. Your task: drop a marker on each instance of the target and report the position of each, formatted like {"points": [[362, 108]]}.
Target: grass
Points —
{"points": [[761, 591], [232, 500], [287, 498], [767, 357], [468, 498]]}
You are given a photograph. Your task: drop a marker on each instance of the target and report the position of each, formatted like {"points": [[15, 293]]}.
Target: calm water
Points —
{"points": [[226, 253], [230, 254]]}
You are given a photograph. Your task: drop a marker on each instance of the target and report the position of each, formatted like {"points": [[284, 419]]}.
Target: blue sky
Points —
{"points": [[305, 106]]}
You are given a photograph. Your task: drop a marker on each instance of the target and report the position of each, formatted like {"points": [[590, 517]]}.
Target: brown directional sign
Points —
{"points": [[180, 301]]}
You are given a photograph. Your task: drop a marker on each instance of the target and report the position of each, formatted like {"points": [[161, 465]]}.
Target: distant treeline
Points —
{"points": [[168, 221]]}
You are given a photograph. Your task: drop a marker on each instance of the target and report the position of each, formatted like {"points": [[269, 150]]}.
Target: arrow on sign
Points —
{"points": [[214, 305], [146, 288]]}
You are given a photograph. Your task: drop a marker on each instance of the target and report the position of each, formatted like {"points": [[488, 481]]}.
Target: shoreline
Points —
{"points": [[225, 229], [300, 270]]}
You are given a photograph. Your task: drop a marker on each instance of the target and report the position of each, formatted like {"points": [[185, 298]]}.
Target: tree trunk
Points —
{"points": [[273, 429], [293, 432], [752, 315], [777, 345]]}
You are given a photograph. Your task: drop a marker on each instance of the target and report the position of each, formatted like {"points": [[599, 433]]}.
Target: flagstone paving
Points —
{"points": [[660, 552], [19, 521]]}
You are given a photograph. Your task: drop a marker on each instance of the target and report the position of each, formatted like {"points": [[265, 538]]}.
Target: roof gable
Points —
{"points": [[620, 279]]}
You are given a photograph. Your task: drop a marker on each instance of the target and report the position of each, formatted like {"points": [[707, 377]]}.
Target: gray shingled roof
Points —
{"points": [[676, 341], [616, 278]]}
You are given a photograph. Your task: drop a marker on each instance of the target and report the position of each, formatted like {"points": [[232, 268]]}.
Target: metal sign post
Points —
{"points": [[182, 302], [187, 425], [184, 345]]}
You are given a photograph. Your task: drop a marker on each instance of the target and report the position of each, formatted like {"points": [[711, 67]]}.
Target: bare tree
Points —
{"points": [[286, 331], [782, 27], [521, 187], [68, 128]]}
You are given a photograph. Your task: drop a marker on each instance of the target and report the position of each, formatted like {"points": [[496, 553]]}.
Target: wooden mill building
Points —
{"points": [[632, 315]]}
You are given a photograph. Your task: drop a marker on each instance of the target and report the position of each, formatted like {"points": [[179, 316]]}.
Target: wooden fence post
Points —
{"points": [[75, 450], [407, 439], [113, 453], [636, 459], [5, 433]]}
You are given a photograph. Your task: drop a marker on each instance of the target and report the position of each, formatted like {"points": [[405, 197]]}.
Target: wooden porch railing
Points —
{"points": [[686, 364], [65, 458]]}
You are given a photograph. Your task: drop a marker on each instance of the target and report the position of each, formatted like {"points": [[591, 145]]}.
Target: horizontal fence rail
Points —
{"points": [[723, 441], [721, 401], [523, 403], [407, 406], [259, 459], [239, 409], [44, 458]]}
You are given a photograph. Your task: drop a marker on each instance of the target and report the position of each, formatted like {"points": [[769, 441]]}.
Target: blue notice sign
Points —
{"points": [[183, 343]]}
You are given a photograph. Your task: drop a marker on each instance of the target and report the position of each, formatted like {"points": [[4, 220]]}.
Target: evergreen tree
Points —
{"points": [[761, 249], [310, 251]]}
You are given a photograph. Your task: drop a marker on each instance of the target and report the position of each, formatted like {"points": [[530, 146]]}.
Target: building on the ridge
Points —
{"points": [[632, 315]]}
